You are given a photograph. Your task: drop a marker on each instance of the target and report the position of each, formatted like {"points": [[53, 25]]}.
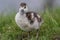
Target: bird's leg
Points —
{"points": [[29, 35], [22, 36], [37, 34]]}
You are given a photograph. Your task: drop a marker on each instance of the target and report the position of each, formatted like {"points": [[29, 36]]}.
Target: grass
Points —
{"points": [[10, 31]]}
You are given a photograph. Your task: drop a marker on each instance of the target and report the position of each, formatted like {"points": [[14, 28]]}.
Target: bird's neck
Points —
{"points": [[21, 13]]}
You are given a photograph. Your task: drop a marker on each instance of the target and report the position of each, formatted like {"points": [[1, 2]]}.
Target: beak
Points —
{"points": [[22, 11]]}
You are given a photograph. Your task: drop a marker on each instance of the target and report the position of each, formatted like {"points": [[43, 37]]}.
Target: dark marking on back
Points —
{"points": [[29, 17], [38, 18]]}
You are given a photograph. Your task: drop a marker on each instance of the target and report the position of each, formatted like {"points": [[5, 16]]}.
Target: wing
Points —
{"points": [[38, 18], [30, 17]]}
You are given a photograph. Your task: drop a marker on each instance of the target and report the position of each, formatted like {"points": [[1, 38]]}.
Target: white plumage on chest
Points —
{"points": [[24, 24]]}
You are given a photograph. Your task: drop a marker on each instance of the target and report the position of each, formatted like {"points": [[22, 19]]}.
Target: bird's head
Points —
{"points": [[23, 8]]}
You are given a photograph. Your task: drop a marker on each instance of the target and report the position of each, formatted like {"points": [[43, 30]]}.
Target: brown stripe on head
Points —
{"points": [[23, 4]]}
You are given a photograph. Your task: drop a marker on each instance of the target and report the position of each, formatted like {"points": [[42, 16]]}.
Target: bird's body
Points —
{"points": [[24, 23], [28, 20]]}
